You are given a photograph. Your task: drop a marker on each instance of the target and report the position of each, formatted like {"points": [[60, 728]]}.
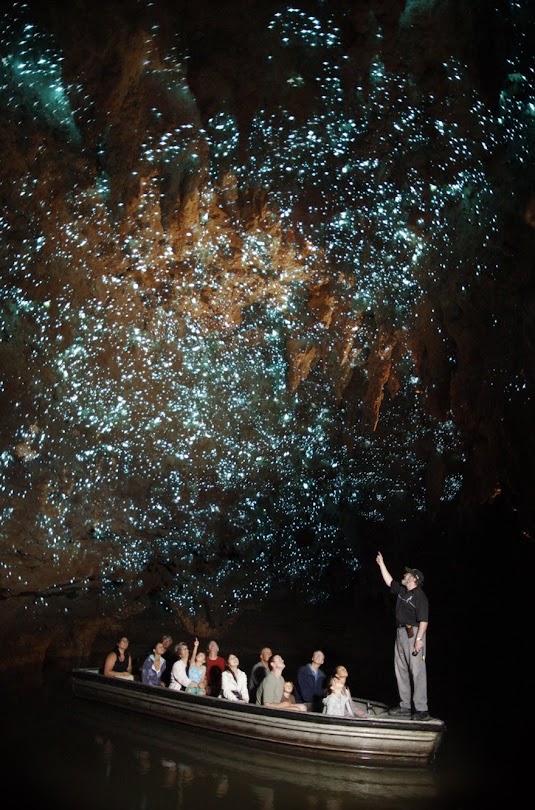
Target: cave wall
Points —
{"points": [[262, 267]]}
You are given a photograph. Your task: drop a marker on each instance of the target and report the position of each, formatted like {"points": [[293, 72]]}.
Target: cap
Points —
{"points": [[417, 574]]}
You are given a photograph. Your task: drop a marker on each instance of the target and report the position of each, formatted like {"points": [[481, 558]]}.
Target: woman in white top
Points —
{"points": [[179, 673], [234, 681]]}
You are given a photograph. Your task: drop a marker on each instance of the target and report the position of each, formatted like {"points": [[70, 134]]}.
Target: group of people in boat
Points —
{"points": [[209, 673]]}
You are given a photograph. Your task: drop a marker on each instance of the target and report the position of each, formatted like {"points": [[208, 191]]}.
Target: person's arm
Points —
{"points": [[129, 667], [422, 629], [419, 640], [194, 652], [179, 671], [387, 576], [109, 663], [145, 672]]}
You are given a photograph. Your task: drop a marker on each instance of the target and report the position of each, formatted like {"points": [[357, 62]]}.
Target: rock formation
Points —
{"points": [[266, 274]]}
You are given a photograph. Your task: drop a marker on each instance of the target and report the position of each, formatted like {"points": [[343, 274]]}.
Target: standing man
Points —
{"points": [[412, 617]]}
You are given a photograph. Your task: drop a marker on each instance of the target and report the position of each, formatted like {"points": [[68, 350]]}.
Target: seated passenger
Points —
{"points": [[342, 674], [270, 693], [118, 663], [234, 681], [197, 673], [311, 681], [169, 656], [258, 672], [154, 666], [215, 664], [336, 703], [288, 693], [179, 674]]}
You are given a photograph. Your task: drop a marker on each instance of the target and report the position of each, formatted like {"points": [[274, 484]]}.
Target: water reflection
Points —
{"points": [[148, 765]]}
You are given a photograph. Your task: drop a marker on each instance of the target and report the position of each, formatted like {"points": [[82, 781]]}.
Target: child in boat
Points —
{"points": [[288, 693], [336, 703], [342, 674], [197, 674]]}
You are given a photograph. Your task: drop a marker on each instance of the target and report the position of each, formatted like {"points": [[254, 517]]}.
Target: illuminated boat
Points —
{"points": [[378, 739]]}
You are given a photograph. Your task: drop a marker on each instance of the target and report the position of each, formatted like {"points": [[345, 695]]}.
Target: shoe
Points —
{"points": [[421, 716], [399, 711]]}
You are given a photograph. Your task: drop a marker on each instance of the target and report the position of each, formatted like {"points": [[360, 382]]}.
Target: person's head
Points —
{"points": [[335, 685], [233, 661], [200, 659], [213, 649], [123, 643], [341, 672], [288, 687], [265, 655], [318, 658], [167, 641], [158, 648], [412, 578], [181, 649], [276, 663]]}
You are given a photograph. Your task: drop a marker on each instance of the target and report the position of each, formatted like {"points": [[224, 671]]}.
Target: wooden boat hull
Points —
{"points": [[377, 740]]}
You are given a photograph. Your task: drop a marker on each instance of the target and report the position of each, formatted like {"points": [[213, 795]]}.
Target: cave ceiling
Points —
{"points": [[266, 279]]}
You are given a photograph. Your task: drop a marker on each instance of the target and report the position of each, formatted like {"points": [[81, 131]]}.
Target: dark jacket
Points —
{"points": [[310, 687]]}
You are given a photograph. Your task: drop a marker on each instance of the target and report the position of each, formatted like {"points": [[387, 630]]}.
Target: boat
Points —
{"points": [[379, 739], [200, 760]]}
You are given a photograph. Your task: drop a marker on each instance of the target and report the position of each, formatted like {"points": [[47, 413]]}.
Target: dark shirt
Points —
{"points": [[412, 607], [258, 673], [121, 666], [310, 685]]}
